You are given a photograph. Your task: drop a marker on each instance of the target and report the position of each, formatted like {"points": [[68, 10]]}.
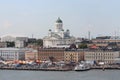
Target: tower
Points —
{"points": [[58, 25]]}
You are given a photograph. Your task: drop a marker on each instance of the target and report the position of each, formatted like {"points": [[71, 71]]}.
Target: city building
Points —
{"points": [[33, 46], [25, 39], [21, 42], [3, 44], [31, 55], [46, 53], [78, 41], [32, 40], [105, 40], [58, 37], [106, 56], [7, 39], [11, 54], [73, 55]]}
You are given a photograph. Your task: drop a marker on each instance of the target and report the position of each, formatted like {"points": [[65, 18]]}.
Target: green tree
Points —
{"points": [[10, 44], [83, 46], [39, 42]]}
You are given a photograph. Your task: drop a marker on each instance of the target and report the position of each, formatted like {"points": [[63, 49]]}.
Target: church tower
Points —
{"points": [[58, 25]]}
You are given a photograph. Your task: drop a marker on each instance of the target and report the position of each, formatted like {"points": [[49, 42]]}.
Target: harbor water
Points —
{"points": [[57, 75]]}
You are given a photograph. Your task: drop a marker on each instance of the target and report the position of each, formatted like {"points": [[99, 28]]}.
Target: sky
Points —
{"points": [[36, 17]]}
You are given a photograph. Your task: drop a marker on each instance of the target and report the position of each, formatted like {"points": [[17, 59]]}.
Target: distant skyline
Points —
{"points": [[36, 17]]}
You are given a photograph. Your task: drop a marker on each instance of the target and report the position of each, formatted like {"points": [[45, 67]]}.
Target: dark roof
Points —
{"points": [[103, 37], [59, 20], [72, 46]]}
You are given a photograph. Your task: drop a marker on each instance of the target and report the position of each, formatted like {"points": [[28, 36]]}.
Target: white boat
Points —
{"points": [[82, 67]]}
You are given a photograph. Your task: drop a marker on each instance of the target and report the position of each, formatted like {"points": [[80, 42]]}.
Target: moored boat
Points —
{"points": [[82, 67]]}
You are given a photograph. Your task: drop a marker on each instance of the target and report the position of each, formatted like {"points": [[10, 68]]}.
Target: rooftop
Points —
{"points": [[59, 20]]}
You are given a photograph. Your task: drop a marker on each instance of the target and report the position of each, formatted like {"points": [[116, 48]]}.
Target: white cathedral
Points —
{"points": [[59, 38]]}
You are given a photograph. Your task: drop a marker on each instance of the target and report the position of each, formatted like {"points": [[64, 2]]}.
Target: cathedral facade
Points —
{"points": [[58, 38]]}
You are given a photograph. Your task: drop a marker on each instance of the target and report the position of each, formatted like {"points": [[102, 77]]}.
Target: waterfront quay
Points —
{"points": [[44, 66], [53, 67], [36, 69]]}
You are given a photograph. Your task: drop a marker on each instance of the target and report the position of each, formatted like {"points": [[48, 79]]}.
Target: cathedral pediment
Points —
{"points": [[54, 38]]}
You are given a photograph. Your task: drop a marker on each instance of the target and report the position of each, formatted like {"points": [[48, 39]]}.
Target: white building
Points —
{"points": [[58, 38], [12, 54], [25, 39], [106, 56], [20, 42], [7, 38]]}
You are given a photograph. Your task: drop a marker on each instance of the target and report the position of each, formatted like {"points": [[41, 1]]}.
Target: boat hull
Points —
{"points": [[82, 70]]}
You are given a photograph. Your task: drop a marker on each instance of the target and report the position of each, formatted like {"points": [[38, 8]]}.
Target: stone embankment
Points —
{"points": [[36, 69], [68, 68]]}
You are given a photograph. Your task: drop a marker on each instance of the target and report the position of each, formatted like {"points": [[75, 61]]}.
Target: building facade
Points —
{"points": [[8, 39], [104, 41], [20, 42], [3, 44], [73, 56], [58, 38], [11, 54], [46, 53], [31, 55], [107, 56]]}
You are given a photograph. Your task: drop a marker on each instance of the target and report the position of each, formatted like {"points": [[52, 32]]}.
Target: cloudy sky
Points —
{"points": [[27, 17]]}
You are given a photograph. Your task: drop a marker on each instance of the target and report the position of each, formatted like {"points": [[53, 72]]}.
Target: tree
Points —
{"points": [[36, 42], [10, 44], [72, 46], [39, 42], [83, 46]]}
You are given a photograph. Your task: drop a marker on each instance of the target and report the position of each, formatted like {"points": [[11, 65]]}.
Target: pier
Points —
{"points": [[58, 69]]}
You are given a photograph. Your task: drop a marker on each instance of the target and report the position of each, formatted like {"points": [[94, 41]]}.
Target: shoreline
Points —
{"points": [[26, 69]]}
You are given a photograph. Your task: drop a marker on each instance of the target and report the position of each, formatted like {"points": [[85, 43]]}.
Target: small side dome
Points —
{"points": [[67, 30], [62, 29], [59, 20], [50, 30]]}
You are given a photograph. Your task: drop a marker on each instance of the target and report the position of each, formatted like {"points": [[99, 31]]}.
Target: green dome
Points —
{"points": [[50, 30], [59, 20]]}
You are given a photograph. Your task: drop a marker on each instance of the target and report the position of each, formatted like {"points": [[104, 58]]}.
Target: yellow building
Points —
{"points": [[75, 56]]}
